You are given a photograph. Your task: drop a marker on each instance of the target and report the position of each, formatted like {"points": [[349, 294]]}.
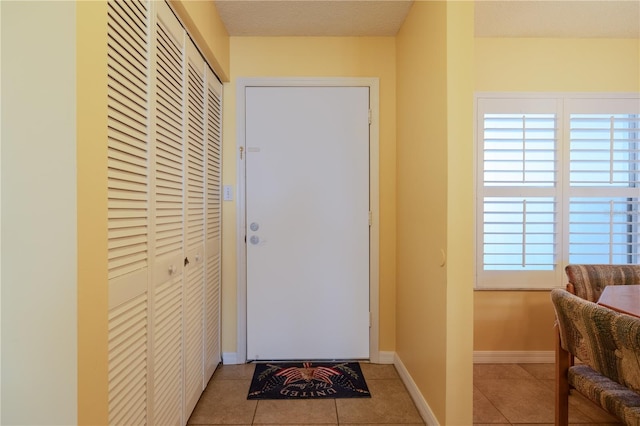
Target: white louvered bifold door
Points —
{"points": [[167, 303], [194, 229], [164, 111], [128, 192], [213, 225]]}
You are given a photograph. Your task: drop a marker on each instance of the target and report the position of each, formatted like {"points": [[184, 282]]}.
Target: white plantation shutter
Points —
{"points": [[167, 306], [194, 230], [517, 192], [213, 225], [128, 156], [557, 183], [604, 180]]}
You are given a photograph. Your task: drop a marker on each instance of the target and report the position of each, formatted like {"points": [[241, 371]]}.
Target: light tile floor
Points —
{"points": [[503, 394], [524, 394], [224, 402]]}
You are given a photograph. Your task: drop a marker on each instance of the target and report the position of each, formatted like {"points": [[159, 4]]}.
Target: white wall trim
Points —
{"points": [[230, 358], [513, 357], [374, 198], [421, 404], [386, 357]]}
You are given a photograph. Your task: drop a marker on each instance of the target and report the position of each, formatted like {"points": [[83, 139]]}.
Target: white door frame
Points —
{"points": [[374, 230]]}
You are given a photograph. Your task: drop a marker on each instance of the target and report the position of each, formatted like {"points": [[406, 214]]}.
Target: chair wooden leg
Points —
{"points": [[563, 360]]}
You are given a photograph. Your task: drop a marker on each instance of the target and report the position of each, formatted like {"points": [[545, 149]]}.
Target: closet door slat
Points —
{"points": [[213, 225], [169, 173], [127, 362], [194, 229], [128, 133], [167, 350], [128, 204], [168, 211]]}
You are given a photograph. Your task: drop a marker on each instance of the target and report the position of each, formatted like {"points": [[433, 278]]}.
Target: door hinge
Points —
{"points": [[370, 218], [369, 115]]}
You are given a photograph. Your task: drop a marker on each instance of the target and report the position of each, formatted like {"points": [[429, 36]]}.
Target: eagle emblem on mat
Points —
{"points": [[307, 380], [308, 373]]}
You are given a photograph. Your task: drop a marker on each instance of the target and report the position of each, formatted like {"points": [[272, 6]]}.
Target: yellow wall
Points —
{"points": [[569, 65], [422, 200], [315, 57], [460, 218], [434, 301], [513, 321], [91, 86], [522, 320], [208, 31]]}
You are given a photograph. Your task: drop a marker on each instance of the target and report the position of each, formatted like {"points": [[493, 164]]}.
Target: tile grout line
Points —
{"points": [[255, 411], [494, 406]]}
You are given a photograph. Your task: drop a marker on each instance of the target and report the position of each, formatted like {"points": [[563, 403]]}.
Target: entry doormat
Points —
{"points": [[306, 380]]}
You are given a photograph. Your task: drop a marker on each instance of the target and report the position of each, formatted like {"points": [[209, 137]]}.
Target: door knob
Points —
{"points": [[254, 239], [254, 226]]}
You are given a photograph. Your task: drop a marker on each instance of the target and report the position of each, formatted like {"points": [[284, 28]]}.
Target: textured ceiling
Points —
{"points": [[313, 18], [506, 18]]}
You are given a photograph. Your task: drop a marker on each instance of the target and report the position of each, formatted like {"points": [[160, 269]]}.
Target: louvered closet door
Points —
{"points": [[164, 118], [213, 225], [194, 229], [168, 212], [128, 157]]}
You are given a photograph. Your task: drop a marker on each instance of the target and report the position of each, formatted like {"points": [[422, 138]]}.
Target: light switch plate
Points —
{"points": [[227, 193]]}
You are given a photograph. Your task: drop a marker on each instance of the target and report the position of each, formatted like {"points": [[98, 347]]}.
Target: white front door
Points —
{"points": [[307, 216]]}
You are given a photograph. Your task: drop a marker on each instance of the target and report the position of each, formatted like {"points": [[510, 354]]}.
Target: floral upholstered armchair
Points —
{"points": [[588, 281], [608, 345]]}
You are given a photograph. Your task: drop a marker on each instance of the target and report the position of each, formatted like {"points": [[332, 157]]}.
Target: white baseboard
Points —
{"points": [[230, 358], [513, 357], [479, 357], [421, 404], [386, 357]]}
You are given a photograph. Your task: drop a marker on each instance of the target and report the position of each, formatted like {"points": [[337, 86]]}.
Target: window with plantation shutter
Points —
{"points": [[604, 184], [519, 191], [556, 184]]}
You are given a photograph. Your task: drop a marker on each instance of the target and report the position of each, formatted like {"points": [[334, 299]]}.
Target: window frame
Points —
{"points": [[562, 104]]}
